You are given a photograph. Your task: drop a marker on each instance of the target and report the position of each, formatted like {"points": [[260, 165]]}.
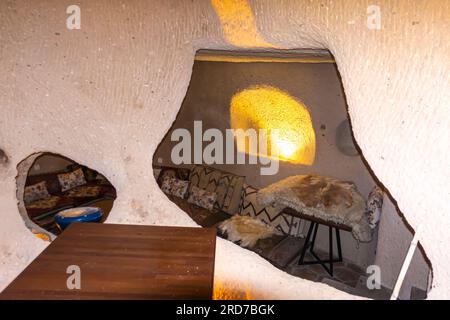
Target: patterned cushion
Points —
{"points": [[51, 181], [35, 192], [175, 187], [89, 174], [204, 177], [273, 216], [202, 198], [233, 196], [222, 188], [209, 179], [71, 180], [179, 173]]}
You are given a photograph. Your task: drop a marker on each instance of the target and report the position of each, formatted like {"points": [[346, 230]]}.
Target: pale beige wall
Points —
{"points": [[105, 96], [393, 243]]}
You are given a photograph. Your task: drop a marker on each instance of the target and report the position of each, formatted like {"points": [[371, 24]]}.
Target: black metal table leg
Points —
{"points": [[338, 242], [330, 243], [312, 231], [313, 242], [305, 245]]}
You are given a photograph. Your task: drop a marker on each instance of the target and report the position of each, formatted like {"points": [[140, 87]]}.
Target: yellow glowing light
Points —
{"points": [[276, 111], [230, 291], [40, 235], [238, 23], [285, 148]]}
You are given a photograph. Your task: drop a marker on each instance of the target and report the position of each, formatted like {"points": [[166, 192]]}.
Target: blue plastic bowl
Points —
{"points": [[80, 214]]}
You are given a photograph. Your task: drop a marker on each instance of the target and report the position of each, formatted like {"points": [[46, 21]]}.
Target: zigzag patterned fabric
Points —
{"points": [[226, 185], [270, 215]]}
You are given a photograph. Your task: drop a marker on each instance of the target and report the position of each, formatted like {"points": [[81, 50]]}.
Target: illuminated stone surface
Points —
{"points": [[270, 108]]}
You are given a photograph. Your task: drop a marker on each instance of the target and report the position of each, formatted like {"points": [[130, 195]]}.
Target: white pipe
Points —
{"points": [[406, 263]]}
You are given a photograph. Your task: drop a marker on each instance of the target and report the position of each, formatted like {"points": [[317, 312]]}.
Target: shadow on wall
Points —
{"points": [[3, 158]]}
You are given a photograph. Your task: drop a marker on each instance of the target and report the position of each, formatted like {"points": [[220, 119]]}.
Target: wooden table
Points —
{"points": [[122, 262]]}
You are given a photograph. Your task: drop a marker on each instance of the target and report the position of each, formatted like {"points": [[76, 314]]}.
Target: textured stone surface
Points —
{"points": [[105, 96]]}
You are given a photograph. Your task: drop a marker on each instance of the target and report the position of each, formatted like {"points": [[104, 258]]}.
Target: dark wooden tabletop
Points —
{"points": [[122, 262]]}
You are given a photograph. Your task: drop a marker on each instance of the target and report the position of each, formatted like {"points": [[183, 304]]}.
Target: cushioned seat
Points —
{"points": [[48, 206]]}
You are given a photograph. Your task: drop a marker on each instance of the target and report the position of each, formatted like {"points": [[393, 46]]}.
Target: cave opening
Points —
{"points": [[48, 184], [300, 94]]}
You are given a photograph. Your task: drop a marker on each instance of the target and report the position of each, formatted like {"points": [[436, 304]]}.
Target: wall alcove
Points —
{"points": [[48, 183], [221, 96]]}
